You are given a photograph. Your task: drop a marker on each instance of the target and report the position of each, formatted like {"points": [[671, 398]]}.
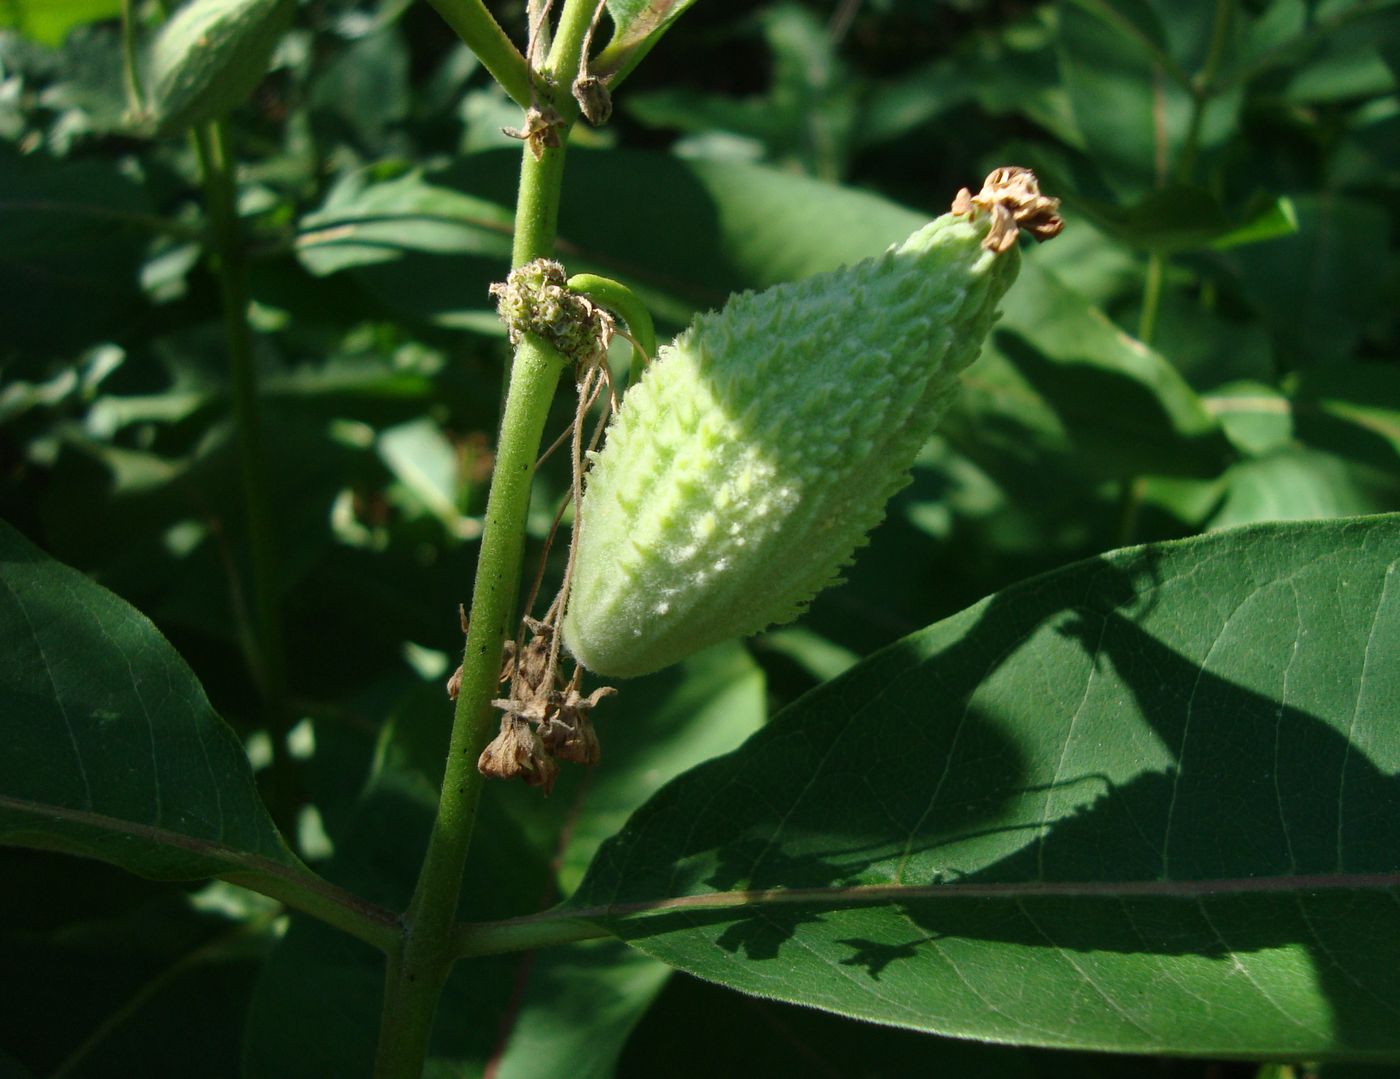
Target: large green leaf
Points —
{"points": [[112, 750], [1148, 803]]}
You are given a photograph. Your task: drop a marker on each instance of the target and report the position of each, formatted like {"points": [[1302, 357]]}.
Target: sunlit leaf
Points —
{"points": [[1154, 793]]}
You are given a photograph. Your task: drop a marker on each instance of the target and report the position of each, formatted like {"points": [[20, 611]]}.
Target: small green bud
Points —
{"points": [[760, 448]]}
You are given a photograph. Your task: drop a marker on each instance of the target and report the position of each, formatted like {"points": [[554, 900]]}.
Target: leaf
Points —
{"points": [[1130, 95], [1350, 63], [1316, 289], [123, 976], [1297, 483], [48, 21], [75, 232], [411, 242], [652, 732], [112, 750], [637, 26], [1352, 410], [1146, 803], [1059, 378], [729, 1034], [366, 86], [1182, 218], [580, 1004]]}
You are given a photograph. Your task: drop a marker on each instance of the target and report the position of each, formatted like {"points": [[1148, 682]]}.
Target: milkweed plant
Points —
{"points": [[1143, 803]]}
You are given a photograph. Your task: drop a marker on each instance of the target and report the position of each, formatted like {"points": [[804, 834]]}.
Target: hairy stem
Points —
{"points": [[418, 969], [484, 36]]}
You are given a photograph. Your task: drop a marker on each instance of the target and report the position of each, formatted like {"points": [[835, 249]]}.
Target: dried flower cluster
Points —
{"points": [[1011, 195], [535, 298], [545, 718]]}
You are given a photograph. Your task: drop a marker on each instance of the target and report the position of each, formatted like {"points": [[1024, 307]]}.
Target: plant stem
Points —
{"points": [[523, 934], [484, 36], [1203, 88], [418, 970], [229, 263], [135, 99], [1151, 297]]}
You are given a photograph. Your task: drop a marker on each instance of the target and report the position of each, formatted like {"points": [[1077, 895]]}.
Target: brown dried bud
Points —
{"points": [[518, 752], [1012, 196], [576, 742], [542, 127], [594, 99]]}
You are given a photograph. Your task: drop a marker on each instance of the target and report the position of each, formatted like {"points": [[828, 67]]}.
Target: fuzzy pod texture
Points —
{"points": [[761, 446], [210, 56]]}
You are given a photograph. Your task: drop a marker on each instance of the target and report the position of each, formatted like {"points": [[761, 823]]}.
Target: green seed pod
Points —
{"points": [[210, 56], [760, 448]]}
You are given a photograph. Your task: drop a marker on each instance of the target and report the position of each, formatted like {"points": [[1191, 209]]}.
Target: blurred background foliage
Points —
{"points": [[1212, 342]]}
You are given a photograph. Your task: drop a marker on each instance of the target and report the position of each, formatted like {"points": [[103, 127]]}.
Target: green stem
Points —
{"points": [[228, 261], [1203, 88], [484, 36], [418, 969], [523, 934], [135, 99], [303, 891], [1151, 297]]}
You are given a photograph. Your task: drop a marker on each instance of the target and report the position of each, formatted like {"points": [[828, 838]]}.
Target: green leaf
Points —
{"points": [[1146, 803], [48, 21], [1296, 483], [210, 56], [112, 750], [578, 1008], [1351, 63], [75, 233], [730, 1034], [1182, 218], [1058, 378], [1256, 417], [1130, 95], [1352, 410], [1317, 289], [421, 247], [637, 26], [123, 976], [655, 730]]}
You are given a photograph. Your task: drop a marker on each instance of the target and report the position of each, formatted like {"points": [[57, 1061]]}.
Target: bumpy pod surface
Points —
{"points": [[761, 446]]}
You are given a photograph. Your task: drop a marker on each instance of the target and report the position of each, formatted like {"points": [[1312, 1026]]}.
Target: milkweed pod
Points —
{"points": [[209, 56], [760, 448]]}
